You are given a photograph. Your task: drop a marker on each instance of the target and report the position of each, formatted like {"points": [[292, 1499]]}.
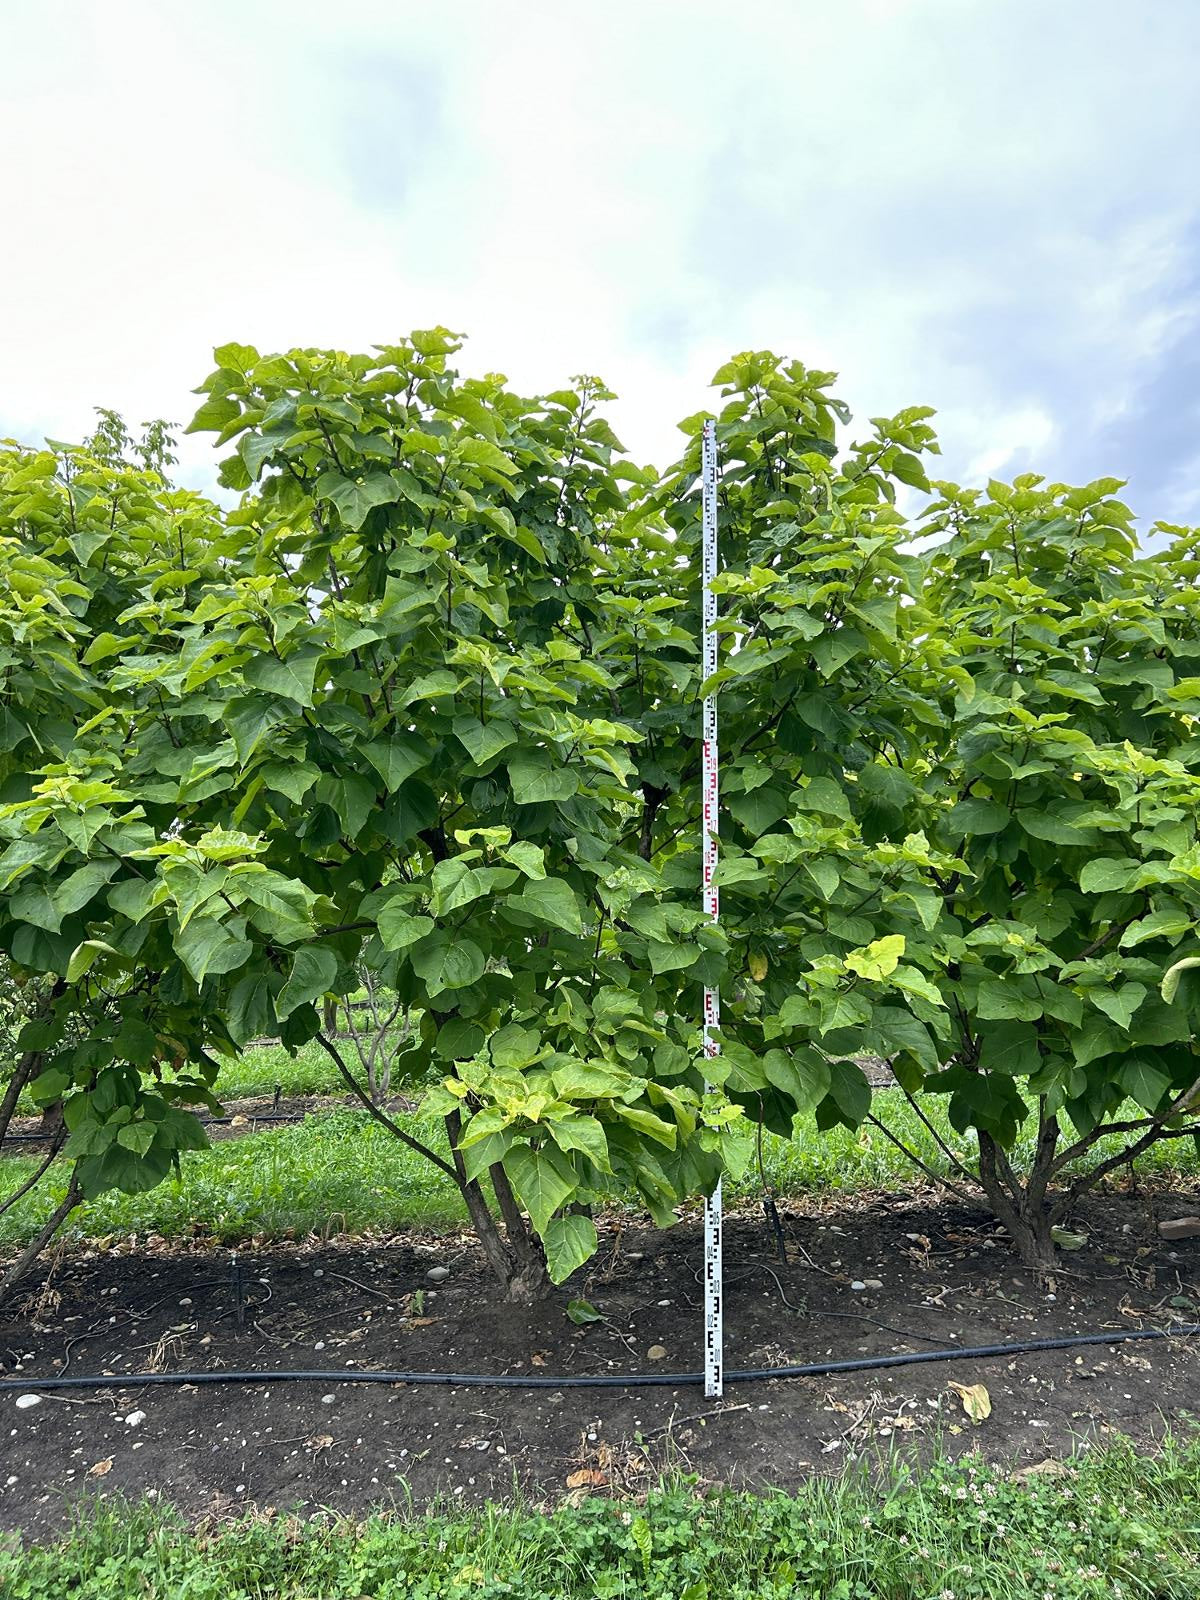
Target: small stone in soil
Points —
{"points": [[135, 1419], [327, 1399], [656, 1352], [438, 1274], [858, 1285], [1180, 1228], [26, 1402], [872, 1283]]}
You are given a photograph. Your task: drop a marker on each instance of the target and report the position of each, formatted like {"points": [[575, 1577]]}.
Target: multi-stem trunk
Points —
{"points": [[1021, 1207], [515, 1256]]}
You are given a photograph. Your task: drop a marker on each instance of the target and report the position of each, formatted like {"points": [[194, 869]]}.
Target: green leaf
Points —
{"points": [[671, 957], [569, 1242], [291, 678], [543, 1179], [483, 740], [979, 817], [455, 883], [849, 1091], [355, 498], [1144, 1082], [207, 947], [1010, 1047], [1173, 974], [481, 453], [581, 1312], [901, 1031], [549, 900], [1170, 923], [535, 782], [804, 1075], [280, 907], [759, 810], [1103, 874], [398, 928], [583, 1133], [584, 1080], [530, 858], [251, 1012], [1119, 1004], [293, 778], [313, 972], [446, 963], [136, 1136], [84, 956], [397, 758], [34, 905], [1005, 999], [656, 1128], [916, 983], [823, 794]]}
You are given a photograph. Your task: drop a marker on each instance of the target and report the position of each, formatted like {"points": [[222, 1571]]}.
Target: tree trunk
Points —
{"points": [[1021, 1209], [482, 1220], [52, 1120], [41, 1239], [531, 1280], [25, 1068], [516, 1258]]}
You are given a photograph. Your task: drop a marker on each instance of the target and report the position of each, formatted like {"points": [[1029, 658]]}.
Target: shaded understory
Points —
{"points": [[340, 1173]]}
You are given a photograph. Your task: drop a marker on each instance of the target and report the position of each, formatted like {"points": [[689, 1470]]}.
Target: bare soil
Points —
{"points": [[947, 1279]]}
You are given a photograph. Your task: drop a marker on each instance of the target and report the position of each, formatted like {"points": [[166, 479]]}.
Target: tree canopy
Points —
{"points": [[426, 703]]}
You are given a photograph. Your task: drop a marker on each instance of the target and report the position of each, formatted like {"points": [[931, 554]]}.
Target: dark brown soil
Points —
{"points": [[947, 1280]]}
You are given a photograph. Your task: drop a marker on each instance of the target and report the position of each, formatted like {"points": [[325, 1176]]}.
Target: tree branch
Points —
{"points": [[381, 1116]]}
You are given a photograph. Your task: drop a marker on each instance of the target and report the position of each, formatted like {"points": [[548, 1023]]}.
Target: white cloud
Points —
{"points": [[950, 203]]}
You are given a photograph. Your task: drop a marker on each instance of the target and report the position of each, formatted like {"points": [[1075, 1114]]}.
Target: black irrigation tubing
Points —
{"points": [[658, 1380]]}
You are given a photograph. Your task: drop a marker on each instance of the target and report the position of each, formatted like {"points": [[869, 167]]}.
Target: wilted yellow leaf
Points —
{"points": [[976, 1401]]}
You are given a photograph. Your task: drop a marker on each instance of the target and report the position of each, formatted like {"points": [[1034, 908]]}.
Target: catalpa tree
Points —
{"points": [[962, 813], [368, 719]]}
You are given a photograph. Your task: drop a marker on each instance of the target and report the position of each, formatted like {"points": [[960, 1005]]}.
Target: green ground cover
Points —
{"points": [[1116, 1524]]}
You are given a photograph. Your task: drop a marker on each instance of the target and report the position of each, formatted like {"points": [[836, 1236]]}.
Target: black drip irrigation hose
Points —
{"points": [[658, 1380]]}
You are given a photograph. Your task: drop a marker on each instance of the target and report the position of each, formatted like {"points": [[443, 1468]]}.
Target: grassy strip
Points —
{"points": [[340, 1173], [1115, 1524]]}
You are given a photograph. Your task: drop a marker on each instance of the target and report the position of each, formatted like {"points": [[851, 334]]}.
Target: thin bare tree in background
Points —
{"points": [[371, 1025]]}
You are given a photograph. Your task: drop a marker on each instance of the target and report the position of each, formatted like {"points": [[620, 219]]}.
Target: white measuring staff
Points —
{"points": [[714, 1323]]}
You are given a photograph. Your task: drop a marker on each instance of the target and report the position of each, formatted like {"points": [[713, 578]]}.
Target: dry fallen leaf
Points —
{"points": [[976, 1401], [100, 1468], [1044, 1469], [538, 1358], [586, 1477]]}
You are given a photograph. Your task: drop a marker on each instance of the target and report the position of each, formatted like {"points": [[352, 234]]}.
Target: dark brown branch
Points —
{"points": [[381, 1116]]}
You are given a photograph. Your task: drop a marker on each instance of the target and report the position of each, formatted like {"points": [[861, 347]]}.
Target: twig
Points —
{"points": [[696, 1416]]}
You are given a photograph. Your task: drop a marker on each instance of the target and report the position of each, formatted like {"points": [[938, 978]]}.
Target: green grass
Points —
{"points": [[340, 1173], [1117, 1524]]}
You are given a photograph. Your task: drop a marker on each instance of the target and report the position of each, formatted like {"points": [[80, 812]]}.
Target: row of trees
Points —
{"points": [[425, 705]]}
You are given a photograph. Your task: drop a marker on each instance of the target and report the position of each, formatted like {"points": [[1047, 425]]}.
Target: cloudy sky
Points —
{"points": [[988, 206]]}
